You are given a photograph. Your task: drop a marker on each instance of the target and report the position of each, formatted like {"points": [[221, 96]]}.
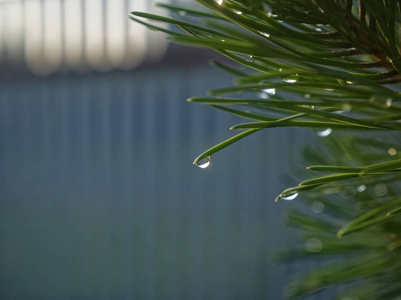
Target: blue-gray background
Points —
{"points": [[99, 198]]}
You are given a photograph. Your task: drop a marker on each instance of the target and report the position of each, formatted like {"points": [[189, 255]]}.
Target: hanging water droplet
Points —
{"points": [[389, 102], [317, 207], [380, 189], [290, 197], [392, 151], [250, 58], [314, 245], [203, 163], [219, 2], [324, 133], [361, 188]]}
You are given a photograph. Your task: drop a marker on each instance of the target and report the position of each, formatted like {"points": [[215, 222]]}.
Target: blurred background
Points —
{"points": [[98, 195]]}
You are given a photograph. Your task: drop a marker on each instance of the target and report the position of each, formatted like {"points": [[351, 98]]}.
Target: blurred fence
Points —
{"points": [[99, 199]]}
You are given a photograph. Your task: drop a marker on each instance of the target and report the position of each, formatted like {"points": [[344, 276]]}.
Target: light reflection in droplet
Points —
{"points": [[289, 80], [324, 133], [271, 92], [264, 34], [219, 2], [392, 151], [361, 188], [290, 197]]}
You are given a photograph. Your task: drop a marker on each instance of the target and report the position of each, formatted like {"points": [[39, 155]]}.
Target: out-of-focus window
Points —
{"points": [[48, 36]]}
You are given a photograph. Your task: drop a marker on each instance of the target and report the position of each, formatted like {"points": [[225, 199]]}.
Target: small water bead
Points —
{"points": [[317, 207], [182, 13], [381, 189], [290, 197], [307, 96], [361, 188], [389, 102], [238, 12], [289, 80], [392, 151], [264, 34], [203, 163], [324, 133], [219, 2], [270, 92], [314, 245]]}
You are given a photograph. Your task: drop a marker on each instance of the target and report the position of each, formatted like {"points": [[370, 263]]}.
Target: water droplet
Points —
{"points": [[392, 151], [290, 197], [289, 80], [361, 188], [237, 12], [182, 13], [381, 189], [264, 34], [389, 102], [324, 133], [314, 245], [329, 90], [270, 92], [203, 163], [219, 2], [250, 58], [307, 96], [280, 70], [317, 207]]}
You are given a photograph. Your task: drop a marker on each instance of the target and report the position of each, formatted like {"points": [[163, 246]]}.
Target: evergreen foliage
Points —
{"points": [[331, 65]]}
